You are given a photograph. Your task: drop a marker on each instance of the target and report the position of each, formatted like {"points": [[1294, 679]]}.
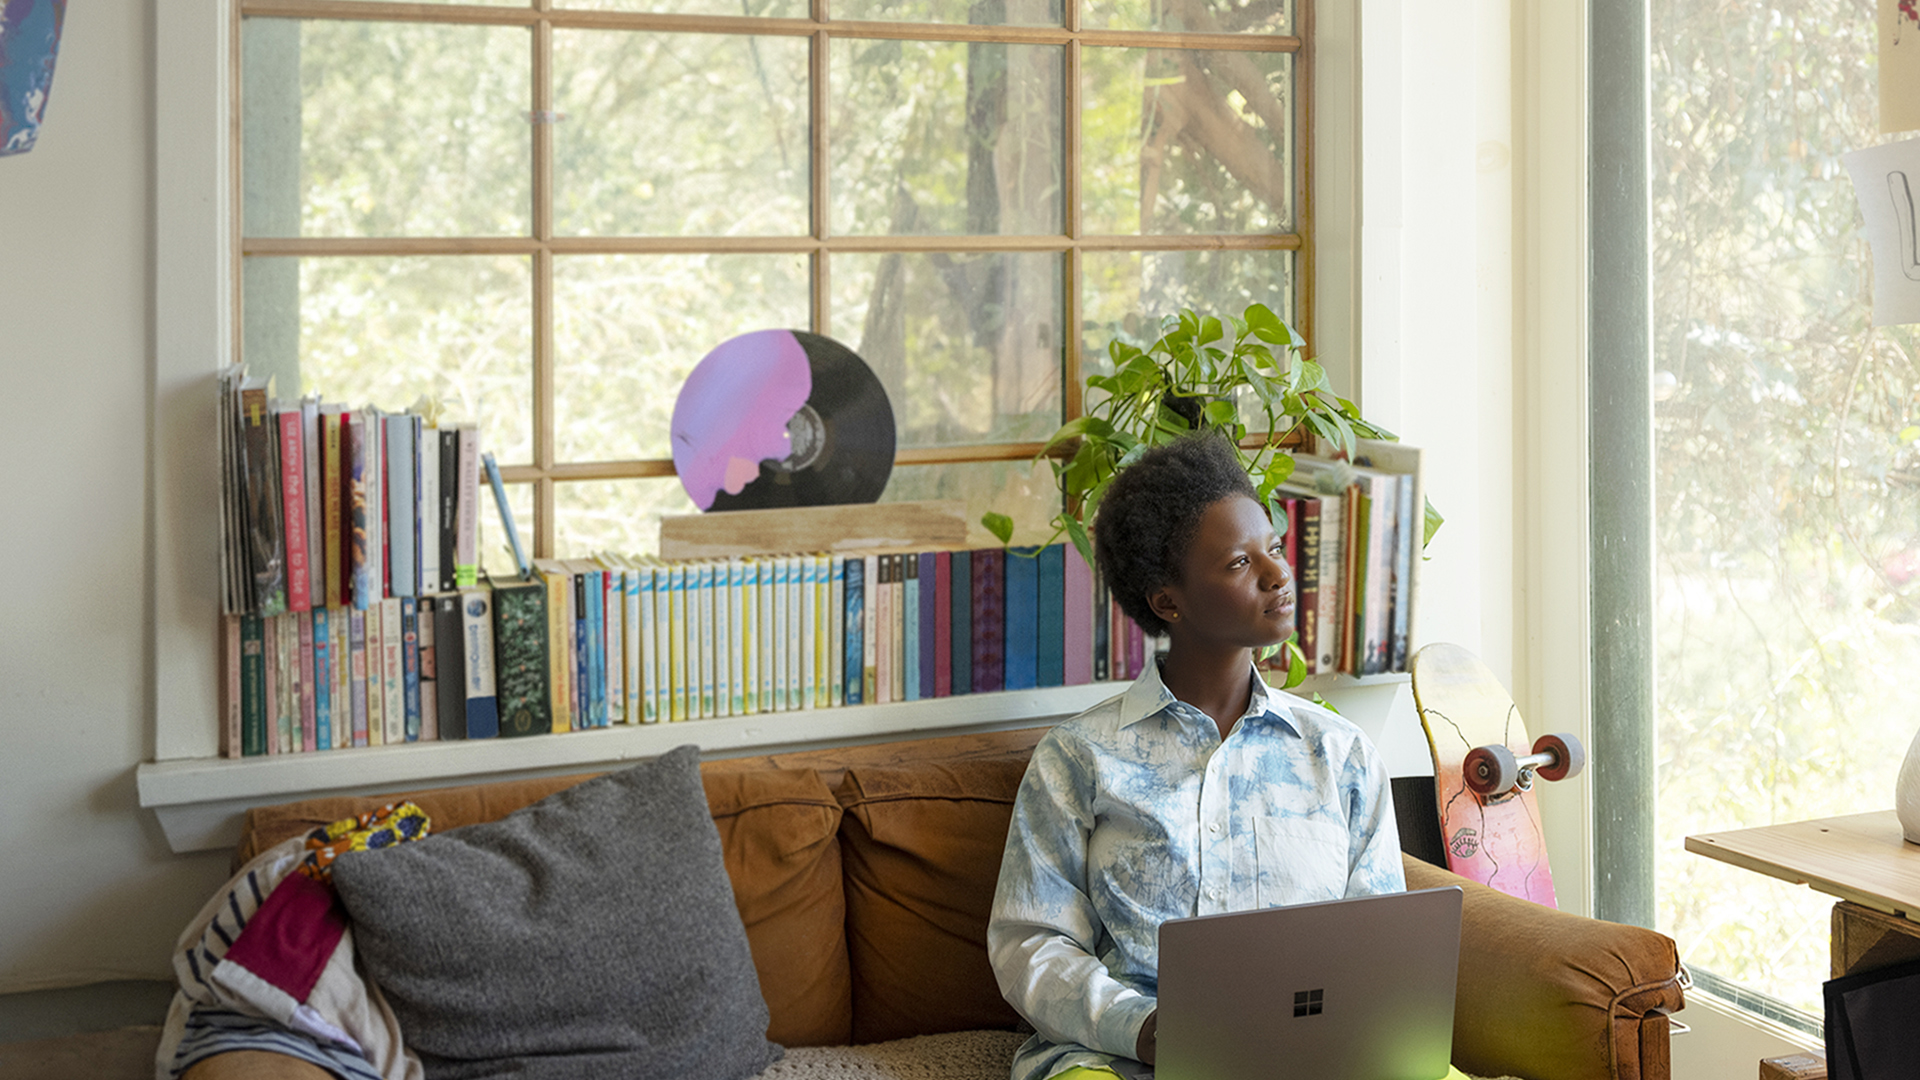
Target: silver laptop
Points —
{"points": [[1357, 989]]}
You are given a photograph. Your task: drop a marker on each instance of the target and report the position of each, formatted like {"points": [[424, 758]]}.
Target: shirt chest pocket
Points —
{"points": [[1301, 860]]}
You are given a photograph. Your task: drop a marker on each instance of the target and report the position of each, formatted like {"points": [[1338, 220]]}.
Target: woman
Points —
{"points": [[1198, 790]]}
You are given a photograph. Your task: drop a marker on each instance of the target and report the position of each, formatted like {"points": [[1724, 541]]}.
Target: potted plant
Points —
{"points": [[1203, 372]]}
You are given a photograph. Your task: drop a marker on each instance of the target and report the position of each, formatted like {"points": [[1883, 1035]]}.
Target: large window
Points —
{"points": [[1786, 473], [542, 216]]}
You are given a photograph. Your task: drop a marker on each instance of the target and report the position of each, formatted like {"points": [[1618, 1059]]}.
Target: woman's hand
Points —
{"points": [[1143, 1047]]}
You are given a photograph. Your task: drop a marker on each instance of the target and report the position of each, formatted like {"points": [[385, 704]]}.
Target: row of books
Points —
{"points": [[591, 643], [1353, 534], [329, 507]]}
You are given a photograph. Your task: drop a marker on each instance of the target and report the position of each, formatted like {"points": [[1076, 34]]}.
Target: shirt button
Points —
{"points": [[1213, 894], [1214, 828]]}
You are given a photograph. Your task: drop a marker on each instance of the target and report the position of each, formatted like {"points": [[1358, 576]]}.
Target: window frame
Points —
{"points": [[547, 471]]}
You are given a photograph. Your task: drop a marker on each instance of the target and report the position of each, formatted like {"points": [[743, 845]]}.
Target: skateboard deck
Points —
{"points": [[1495, 840]]}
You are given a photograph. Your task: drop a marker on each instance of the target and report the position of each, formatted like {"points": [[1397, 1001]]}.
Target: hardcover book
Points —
{"points": [[989, 620], [909, 626], [293, 504], [482, 710], [410, 664], [429, 618], [961, 633], [1051, 625], [524, 699], [929, 612], [450, 660], [855, 574], [1076, 633], [1022, 619], [253, 687], [942, 623]]}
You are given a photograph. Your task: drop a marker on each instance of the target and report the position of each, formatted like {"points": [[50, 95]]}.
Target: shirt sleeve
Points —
{"points": [[1044, 930], [1374, 849]]}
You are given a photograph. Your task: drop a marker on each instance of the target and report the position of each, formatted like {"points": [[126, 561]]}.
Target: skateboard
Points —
{"points": [[1484, 770]]}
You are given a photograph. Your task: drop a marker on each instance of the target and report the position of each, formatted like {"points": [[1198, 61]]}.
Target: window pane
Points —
{"points": [[945, 138], [388, 331], [628, 329], [680, 134], [615, 515], [1023, 490], [1203, 16], [1125, 293], [496, 555], [1786, 472], [1181, 141], [968, 346], [977, 12], [385, 129]]}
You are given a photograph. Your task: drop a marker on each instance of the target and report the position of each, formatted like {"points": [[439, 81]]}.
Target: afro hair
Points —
{"points": [[1151, 512]]}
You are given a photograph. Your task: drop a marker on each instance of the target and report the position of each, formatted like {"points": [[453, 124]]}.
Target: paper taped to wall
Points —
{"points": [[1886, 181]]}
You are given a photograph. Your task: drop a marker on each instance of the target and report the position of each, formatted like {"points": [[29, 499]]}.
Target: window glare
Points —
{"points": [[1787, 471]]}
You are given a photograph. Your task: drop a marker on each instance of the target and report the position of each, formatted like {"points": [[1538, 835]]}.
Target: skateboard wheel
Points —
{"points": [[1569, 757], [1490, 770]]}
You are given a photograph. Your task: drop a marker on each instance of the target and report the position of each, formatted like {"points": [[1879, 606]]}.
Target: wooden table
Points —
{"points": [[1860, 858]]}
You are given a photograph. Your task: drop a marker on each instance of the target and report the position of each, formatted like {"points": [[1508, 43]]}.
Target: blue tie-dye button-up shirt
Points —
{"points": [[1136, 812]]}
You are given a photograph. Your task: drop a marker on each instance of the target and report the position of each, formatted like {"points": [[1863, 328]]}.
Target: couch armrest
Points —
{"points": [[1551, 996]]}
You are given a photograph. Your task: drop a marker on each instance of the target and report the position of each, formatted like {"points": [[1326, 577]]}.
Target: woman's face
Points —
{"points": [[1235, 588]]}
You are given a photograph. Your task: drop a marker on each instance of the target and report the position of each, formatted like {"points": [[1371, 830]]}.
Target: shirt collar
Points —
{"points": [[1149, 697]]}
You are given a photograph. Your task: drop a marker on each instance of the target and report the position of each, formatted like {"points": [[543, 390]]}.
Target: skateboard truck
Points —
{"points": [[1494, 770]]}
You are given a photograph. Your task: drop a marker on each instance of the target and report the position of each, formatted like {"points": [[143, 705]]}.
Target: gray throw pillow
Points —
{"points": [[592, 934]]}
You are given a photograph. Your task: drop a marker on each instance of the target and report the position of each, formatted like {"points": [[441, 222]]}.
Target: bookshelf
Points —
{"points": [[200, 801]]}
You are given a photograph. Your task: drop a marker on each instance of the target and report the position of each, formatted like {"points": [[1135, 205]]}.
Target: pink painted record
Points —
{"points": [[782, 418]]}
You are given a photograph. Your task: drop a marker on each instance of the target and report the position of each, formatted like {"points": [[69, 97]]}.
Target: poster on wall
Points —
{"points": [[1886, 181], [1899, 64], [29, 42]]}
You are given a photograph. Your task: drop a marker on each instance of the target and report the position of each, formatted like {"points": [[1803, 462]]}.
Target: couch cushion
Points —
{"points": [[779, 835], [922, 848], [590, 934]]}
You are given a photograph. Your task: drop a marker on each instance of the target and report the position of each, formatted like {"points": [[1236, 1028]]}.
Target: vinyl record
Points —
{"points": [[782, 418]]}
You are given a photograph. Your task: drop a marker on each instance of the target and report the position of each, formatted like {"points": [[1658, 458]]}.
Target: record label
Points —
{"points": [[782, 418]]}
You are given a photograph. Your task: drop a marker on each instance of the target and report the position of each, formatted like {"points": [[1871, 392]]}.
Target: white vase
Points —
{"points": [[1906, 793]]}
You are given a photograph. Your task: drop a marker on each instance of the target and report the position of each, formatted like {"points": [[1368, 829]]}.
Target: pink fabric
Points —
{"points": [[290, 939]]}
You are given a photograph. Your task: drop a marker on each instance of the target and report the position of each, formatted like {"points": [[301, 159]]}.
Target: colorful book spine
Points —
{"points": [[323, 665], [960, 635], [285, 671], [483, 712], [870, 630], [837, 630], [376, 675], [1333, 560], [720, 628], [357, 673], [293, 504], [700, 627], [303, 671], [393, 651], [1102, 630], [410, 665], [823, 651], [853, 664], [521, 634], [596, 589], [1022, 619], [449, 487], [1077, 618], [379, 570], [942, 623], [897, 636], [253, 686], [554, 578], [884, 631], [265, 516], [1050, 665], [230, 709], [359, 550], [1306, 581], [429, 623], [334, 557], [1407, 536], [677, 640], [466, 537], [645, 574], [310, 452], [401, 541], [427, 513], [774, 640], [449, 635], [630, 603], [614, 609], [929, 616], [989, 620], [739, 637], [805, 582], [909, 626]]}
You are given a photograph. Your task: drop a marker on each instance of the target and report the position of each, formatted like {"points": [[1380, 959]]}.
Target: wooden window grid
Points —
{"points": [[542, 17]]}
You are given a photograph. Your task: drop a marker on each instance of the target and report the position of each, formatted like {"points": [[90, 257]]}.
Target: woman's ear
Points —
{"points": [[1161, 602]]}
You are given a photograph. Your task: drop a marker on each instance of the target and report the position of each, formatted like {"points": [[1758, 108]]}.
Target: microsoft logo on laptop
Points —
{"points": [[1307, 1002]]}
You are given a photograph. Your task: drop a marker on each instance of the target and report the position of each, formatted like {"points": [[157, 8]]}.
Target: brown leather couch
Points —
{"points": [[864, 876]]}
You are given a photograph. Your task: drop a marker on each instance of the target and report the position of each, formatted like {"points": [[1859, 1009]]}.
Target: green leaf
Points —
{"points": [[1210, 330], [1091, 426], [1312, 376], [1279, 470], [1267, 326], [1000, 525], [1219, 413], [1077, 532], [1433, 523], [1277, 513], [1296, 666]]}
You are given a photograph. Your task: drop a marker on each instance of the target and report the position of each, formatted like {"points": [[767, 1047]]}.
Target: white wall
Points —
{"points": [[90, 889]]}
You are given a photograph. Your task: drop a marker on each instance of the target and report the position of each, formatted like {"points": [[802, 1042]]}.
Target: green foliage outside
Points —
{"points": [[1787, 475]]}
